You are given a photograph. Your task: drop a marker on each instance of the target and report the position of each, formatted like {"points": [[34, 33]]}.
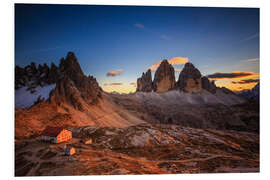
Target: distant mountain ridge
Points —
{"points": [[190, 80], [253, 94]]}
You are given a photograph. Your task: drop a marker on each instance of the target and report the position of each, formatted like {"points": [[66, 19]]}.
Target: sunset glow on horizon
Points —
{"points": [[116, 44]]}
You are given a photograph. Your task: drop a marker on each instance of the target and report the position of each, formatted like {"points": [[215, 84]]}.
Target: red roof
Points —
{"points": [[52, 131]]}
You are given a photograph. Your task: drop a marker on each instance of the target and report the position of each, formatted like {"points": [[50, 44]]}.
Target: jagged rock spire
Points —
{"points": [[164, 77], [144, 83], [190, 79]]}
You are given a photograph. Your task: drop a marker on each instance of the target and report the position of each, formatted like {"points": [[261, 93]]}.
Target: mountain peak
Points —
{"points": [[164, 79], [70, 65], [190, 79], [144, 83]]}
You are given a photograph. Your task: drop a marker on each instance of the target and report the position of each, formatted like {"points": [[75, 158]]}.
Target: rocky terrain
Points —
{"points": [[253, 94], [166, 126], [192, 101], [190, 80], [201, 110], [141, 149], [76, 100]]}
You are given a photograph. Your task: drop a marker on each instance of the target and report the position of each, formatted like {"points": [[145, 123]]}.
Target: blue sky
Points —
{"points": [[130, 38]]}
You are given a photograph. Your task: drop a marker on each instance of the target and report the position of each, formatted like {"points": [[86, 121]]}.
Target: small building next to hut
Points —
{"points": [[69, 150], [56, 134], [87, 141]]}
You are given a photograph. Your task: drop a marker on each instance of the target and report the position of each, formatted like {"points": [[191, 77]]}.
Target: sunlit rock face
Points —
{"points": [[164, 77], [193, 85], [144, 83], [73, 86], [190, 79]]}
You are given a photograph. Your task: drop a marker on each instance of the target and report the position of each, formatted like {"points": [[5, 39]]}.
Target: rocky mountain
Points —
{"points": [[253, 94], [164, 79], [73, 100], [144, 83], [31, 76], [31, 82], [190, 79], [208, 85], [188, 126], [73, 86], [224, 111]]}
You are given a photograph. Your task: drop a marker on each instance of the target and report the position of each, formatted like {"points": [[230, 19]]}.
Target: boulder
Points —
{"points": [[164, 77]]}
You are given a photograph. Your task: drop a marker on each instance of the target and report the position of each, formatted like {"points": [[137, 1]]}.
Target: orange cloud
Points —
{"points": [[173, 61], [133, 84], [114, 73], [177, 70], [246, 81], [233, 75], [113, 84]]}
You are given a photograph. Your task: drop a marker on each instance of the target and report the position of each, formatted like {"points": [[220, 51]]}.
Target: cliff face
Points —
{"points": [[144, 83], [209, 86], [87, 86], [190, 79], [164, 77]]}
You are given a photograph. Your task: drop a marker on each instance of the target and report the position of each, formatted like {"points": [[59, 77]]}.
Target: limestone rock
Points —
{"points": [[164, 77], [66, 92], [88, 87], [144, 83], [190, 79], [209, 86]]}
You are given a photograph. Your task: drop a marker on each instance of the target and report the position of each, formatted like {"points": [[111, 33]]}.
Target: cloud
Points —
{"points": [[113, 84], [173, 61], [250, 37], [177, 70], [251, 60], [115, 73], [138, 25], [133, 84], [231, 75], [246, 81], [165, 37]]}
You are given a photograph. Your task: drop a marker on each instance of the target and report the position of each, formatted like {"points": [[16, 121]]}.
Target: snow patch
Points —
{"points": [[25, 99]]}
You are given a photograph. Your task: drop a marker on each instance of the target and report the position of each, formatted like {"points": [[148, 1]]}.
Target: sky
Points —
{"points": [[116, 44]]}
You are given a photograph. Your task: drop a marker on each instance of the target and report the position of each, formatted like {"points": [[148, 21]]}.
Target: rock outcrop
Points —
{"points": [[32, 77], [253, 94], [190, 79], [66, 92], [208, 85], [164, 77], [144, 83], [73, 87], [87, 85]]}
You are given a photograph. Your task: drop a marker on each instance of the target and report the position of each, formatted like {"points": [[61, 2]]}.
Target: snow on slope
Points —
{"points": [[25, 99]]}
